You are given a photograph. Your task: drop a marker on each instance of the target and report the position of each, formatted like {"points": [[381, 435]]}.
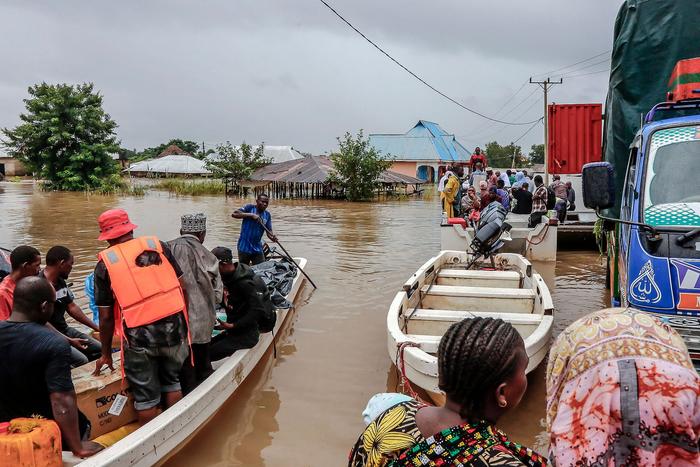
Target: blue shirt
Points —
{"points": [[250, 240], [505, 198]]}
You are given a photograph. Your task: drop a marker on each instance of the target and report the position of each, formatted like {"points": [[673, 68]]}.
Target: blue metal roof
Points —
{"points": [[425, 141]]}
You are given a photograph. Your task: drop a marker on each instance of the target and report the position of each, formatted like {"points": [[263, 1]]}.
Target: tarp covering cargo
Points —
{"points": [[651, 36]]}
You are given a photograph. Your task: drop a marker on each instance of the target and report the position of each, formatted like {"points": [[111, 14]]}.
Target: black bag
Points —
{"points": [[551, 198], [266, 322]]}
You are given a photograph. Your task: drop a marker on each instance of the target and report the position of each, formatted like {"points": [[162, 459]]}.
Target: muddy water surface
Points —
{"points": [[304, 408]]}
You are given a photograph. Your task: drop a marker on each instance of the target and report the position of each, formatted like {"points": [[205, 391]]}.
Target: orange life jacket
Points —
{"points": [[144, 294]]}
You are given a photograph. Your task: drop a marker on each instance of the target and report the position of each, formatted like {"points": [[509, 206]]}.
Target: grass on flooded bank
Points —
{"points": [[191, 188]]}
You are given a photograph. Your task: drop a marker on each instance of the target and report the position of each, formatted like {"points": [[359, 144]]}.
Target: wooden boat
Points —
{"points": [[443, 292], [169, 431]]}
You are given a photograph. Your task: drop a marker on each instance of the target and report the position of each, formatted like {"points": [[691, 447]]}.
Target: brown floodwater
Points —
{"points": [[303, 408]]}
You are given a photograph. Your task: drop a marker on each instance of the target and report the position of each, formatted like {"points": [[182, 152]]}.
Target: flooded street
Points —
{"points": [[304, 408]]}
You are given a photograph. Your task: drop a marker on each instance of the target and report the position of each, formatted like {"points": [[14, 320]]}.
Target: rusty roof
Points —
{"points": [[315, 169]]}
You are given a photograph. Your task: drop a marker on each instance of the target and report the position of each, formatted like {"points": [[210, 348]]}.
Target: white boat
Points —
{"points": [[443, 292], [537, 244], [170, 431]]}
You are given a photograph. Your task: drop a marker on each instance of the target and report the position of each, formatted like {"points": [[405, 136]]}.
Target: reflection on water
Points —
{"points": [[304, 408]]}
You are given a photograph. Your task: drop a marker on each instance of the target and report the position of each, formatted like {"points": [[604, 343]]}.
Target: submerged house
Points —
{"points": [[421, 151], [308, 178], [172, 162]]}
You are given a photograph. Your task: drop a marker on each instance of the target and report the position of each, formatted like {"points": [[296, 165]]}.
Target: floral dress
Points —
{"points": [[393, 440]]}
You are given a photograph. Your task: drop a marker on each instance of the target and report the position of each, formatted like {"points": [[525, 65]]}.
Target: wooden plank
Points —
{"points": [[471, 278], [422, 314]]}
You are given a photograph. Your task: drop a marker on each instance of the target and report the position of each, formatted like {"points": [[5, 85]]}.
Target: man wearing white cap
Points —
{"points": [[204, 291]]}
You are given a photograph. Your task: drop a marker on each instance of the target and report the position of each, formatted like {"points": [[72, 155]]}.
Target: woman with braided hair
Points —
{"points": [[481, 366]]}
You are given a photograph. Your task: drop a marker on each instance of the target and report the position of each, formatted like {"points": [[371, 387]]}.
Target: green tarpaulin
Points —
{"points": [[650, 37]]}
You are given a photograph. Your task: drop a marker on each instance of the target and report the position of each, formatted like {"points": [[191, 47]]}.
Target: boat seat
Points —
{"points": [[454, 297], [435, 322], [476, 278]]}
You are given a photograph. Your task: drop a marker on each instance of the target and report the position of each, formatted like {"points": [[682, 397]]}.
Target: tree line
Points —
{"points": [[67, 140]]}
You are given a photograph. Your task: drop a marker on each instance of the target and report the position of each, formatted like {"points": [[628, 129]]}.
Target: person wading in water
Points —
{"points": [[250, 248], [149, 317]]}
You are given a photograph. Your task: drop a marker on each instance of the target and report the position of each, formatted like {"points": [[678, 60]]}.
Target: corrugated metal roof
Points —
{"points": [[425, 141], [175, 164], [315, 169], [275, 153]]}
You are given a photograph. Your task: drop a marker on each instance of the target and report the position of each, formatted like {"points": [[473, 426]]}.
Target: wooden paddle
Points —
{"points": [[289, 257]]}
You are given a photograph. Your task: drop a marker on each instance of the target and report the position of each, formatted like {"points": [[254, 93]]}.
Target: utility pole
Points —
{"points": [[545, 85]]}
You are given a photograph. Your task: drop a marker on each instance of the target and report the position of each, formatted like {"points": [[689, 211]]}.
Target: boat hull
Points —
{"points": [[413, 347], [170, 431]]}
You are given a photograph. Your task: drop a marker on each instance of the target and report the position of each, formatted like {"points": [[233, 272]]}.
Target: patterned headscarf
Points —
{"points": [[621, 390]]}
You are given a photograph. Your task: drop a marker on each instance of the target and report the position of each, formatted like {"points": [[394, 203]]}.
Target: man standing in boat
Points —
{"points": [[204, 293], [139, 291], [256, 221]]}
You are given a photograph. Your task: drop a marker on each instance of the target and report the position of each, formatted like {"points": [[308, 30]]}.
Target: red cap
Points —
{"points": [[114, 223]]}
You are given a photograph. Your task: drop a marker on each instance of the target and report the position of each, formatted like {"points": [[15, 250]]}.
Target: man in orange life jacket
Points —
{"points": [[138, 290]]}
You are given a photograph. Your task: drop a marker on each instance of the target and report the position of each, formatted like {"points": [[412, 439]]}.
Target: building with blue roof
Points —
{"points": [[421, 151]]}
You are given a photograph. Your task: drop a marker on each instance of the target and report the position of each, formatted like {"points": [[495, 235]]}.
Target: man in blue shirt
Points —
{"points": [[250, 248]]}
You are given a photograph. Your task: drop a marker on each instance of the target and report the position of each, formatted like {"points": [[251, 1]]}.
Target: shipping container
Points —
{"points": [[574, 136]]}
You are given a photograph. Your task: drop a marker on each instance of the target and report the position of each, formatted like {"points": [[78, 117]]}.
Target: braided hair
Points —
{"points": [[474, 357]]}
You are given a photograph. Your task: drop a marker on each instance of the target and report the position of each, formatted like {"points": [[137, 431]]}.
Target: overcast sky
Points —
{"points": [[289, 72]]}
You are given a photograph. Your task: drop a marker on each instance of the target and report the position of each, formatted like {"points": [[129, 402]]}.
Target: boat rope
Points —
{"points": [[404, 382], [541, 237]]}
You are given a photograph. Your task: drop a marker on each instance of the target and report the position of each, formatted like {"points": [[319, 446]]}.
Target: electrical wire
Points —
{"points": [[528, 130], [590, 73], [574, 64], [430, 86], [590, 65]]}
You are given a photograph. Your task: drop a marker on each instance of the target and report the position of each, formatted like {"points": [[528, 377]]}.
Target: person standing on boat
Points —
{"points": [[204, 292], [477, 157], [35, 372], [481, 368], [59, 264], [25, 261], [250, 248], [561, 192], [539, 202], [149, 317], [449, 193], [244, 306]]}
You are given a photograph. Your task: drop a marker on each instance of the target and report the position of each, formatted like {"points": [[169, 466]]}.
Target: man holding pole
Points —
{"points": [[256, 221]]}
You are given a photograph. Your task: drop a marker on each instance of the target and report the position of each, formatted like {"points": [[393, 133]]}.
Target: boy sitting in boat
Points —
{"points": [[245, 305]]}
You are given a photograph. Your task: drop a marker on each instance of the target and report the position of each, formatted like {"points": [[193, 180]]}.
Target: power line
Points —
{"points": [[590, 65], [574, 64], [590, 73], [528, 130], [454, 101]]}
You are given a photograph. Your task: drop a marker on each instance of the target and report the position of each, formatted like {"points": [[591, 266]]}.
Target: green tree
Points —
{"points": [[502, 156], [537, 154], [65, 137], [357, 167], [237, 164], [186, 145]]}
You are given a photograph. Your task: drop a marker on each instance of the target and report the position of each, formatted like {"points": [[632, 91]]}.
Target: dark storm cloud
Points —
{"points": [[289, 72]]}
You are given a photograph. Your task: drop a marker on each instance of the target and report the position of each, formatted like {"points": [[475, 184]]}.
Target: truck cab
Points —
{"points": [[654, 254]]}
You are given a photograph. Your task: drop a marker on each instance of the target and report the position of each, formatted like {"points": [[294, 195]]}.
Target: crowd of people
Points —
{"points": [[156, 301], [621, 391], [468, 196]]}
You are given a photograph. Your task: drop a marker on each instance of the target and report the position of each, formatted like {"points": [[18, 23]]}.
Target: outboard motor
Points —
{"points": [[487, 237]]}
